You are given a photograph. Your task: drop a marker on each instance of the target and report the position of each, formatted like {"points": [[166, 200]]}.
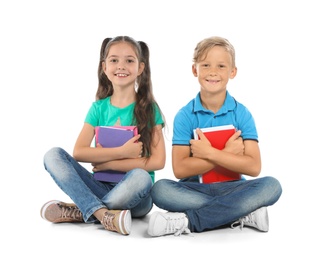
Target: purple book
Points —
{"points": [[109, 176], [112, 136]]}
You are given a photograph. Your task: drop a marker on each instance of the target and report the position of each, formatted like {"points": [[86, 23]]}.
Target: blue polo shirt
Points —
{"points": [[194, 115]]}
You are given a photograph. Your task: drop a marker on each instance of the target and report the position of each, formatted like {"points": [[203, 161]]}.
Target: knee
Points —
{"points": [[139, 179], [274, 186], [160, 188], [51, 154], [54, 158], [142, 175]]}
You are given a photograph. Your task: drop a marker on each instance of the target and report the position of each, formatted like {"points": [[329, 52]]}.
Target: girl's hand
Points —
{"points": [[133, 148], [101, 166], [130, 150]]}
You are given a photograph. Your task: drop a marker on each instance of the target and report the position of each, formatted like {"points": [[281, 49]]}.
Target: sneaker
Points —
{"points": [[118, 221], [257, 219], [168, 223], [58, 212]]}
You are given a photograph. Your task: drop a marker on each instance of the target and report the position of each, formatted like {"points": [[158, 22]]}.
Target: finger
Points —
{"points": [[236, 135], [201, 134], [135, 138]]}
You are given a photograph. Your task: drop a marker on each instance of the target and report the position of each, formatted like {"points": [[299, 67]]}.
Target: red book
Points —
{"points": [[112, 136], [218, 136]]}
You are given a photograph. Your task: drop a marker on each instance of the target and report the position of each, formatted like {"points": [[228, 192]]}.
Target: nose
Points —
{"points": [[120, 65], [212, 72]]}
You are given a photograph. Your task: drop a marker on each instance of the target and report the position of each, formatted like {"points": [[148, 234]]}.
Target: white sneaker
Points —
{"points": [[257, 219], [168, 223]]}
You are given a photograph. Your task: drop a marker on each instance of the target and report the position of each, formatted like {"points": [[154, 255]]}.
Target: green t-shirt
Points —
{"points": [[103, 113]]}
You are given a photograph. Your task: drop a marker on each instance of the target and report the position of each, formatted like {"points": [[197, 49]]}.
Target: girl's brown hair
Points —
{"points": [[144, 111]]}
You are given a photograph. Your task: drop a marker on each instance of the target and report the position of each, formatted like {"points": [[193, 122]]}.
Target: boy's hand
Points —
{"points": [[235, 144], [200, 148]]}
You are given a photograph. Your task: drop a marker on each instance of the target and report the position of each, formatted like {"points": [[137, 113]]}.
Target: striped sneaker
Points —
{"points": [[58, 212], [117, 221]]}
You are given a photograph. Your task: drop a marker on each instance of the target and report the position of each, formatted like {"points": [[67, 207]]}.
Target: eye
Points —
{"points": [[130, 61], [113, 60]]}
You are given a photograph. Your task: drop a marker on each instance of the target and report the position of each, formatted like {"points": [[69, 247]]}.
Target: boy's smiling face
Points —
{"points": [[215, 70]]}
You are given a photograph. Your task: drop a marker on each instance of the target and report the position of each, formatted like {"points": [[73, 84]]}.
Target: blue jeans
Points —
{"points": [[210, 206], [132, 192]]}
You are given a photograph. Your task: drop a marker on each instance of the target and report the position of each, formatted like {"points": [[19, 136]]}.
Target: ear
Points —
{"points": [[233, 73], [194, 70], [141, 68], [103, 67]]}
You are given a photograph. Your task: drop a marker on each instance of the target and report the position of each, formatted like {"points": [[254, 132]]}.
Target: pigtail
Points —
{"points": [[145, 108], [146, 75], [105, 87], [145, 101]]}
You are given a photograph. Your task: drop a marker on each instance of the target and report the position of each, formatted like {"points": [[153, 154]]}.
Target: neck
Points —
{"points": [[122, 99], [212, 102]]}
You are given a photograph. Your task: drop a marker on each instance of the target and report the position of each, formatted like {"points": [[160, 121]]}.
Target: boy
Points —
{"points": [[196, 207]]}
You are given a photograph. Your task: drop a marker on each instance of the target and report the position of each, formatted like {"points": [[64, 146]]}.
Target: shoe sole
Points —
{"points": [[265, 226], [152, 224], [125, 222], [43, 209]]}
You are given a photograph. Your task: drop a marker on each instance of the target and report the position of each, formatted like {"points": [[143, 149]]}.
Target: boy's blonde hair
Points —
{"points": [[205, 45]]}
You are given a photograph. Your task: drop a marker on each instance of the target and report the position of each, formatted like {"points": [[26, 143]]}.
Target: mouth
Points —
{"points": [[121, 75], [212, 81]]}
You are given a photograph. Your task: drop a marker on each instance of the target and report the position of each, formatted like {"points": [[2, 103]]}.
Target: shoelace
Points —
{"points": [[242, 221], [107, 221], [176, 226], [71, 212]]}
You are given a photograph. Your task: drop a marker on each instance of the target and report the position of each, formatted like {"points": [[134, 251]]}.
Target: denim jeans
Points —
{"points": [[89, 194], [210, 206]]}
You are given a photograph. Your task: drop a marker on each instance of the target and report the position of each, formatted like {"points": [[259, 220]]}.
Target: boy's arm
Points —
{"points": [[185, 166], [248, 164], [243, 157]]}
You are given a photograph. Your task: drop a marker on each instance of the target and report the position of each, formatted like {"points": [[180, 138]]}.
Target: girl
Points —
{"points": [[124, 97]]}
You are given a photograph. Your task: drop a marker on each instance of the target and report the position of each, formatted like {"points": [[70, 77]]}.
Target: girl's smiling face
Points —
{"points": [[122, 66]]}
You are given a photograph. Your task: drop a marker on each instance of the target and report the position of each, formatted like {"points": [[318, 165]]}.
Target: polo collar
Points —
{"points": [[229, 104]]}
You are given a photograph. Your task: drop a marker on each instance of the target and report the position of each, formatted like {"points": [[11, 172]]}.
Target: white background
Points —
{"points": [[48, 59]]}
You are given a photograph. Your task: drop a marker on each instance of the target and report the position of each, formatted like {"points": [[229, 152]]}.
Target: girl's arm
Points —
{"points": [[245, 160], [83, 151], [156, 161]]}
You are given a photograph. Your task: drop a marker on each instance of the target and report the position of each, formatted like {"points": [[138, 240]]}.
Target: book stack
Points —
{"points": [[112, 136], [218, 136]]}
